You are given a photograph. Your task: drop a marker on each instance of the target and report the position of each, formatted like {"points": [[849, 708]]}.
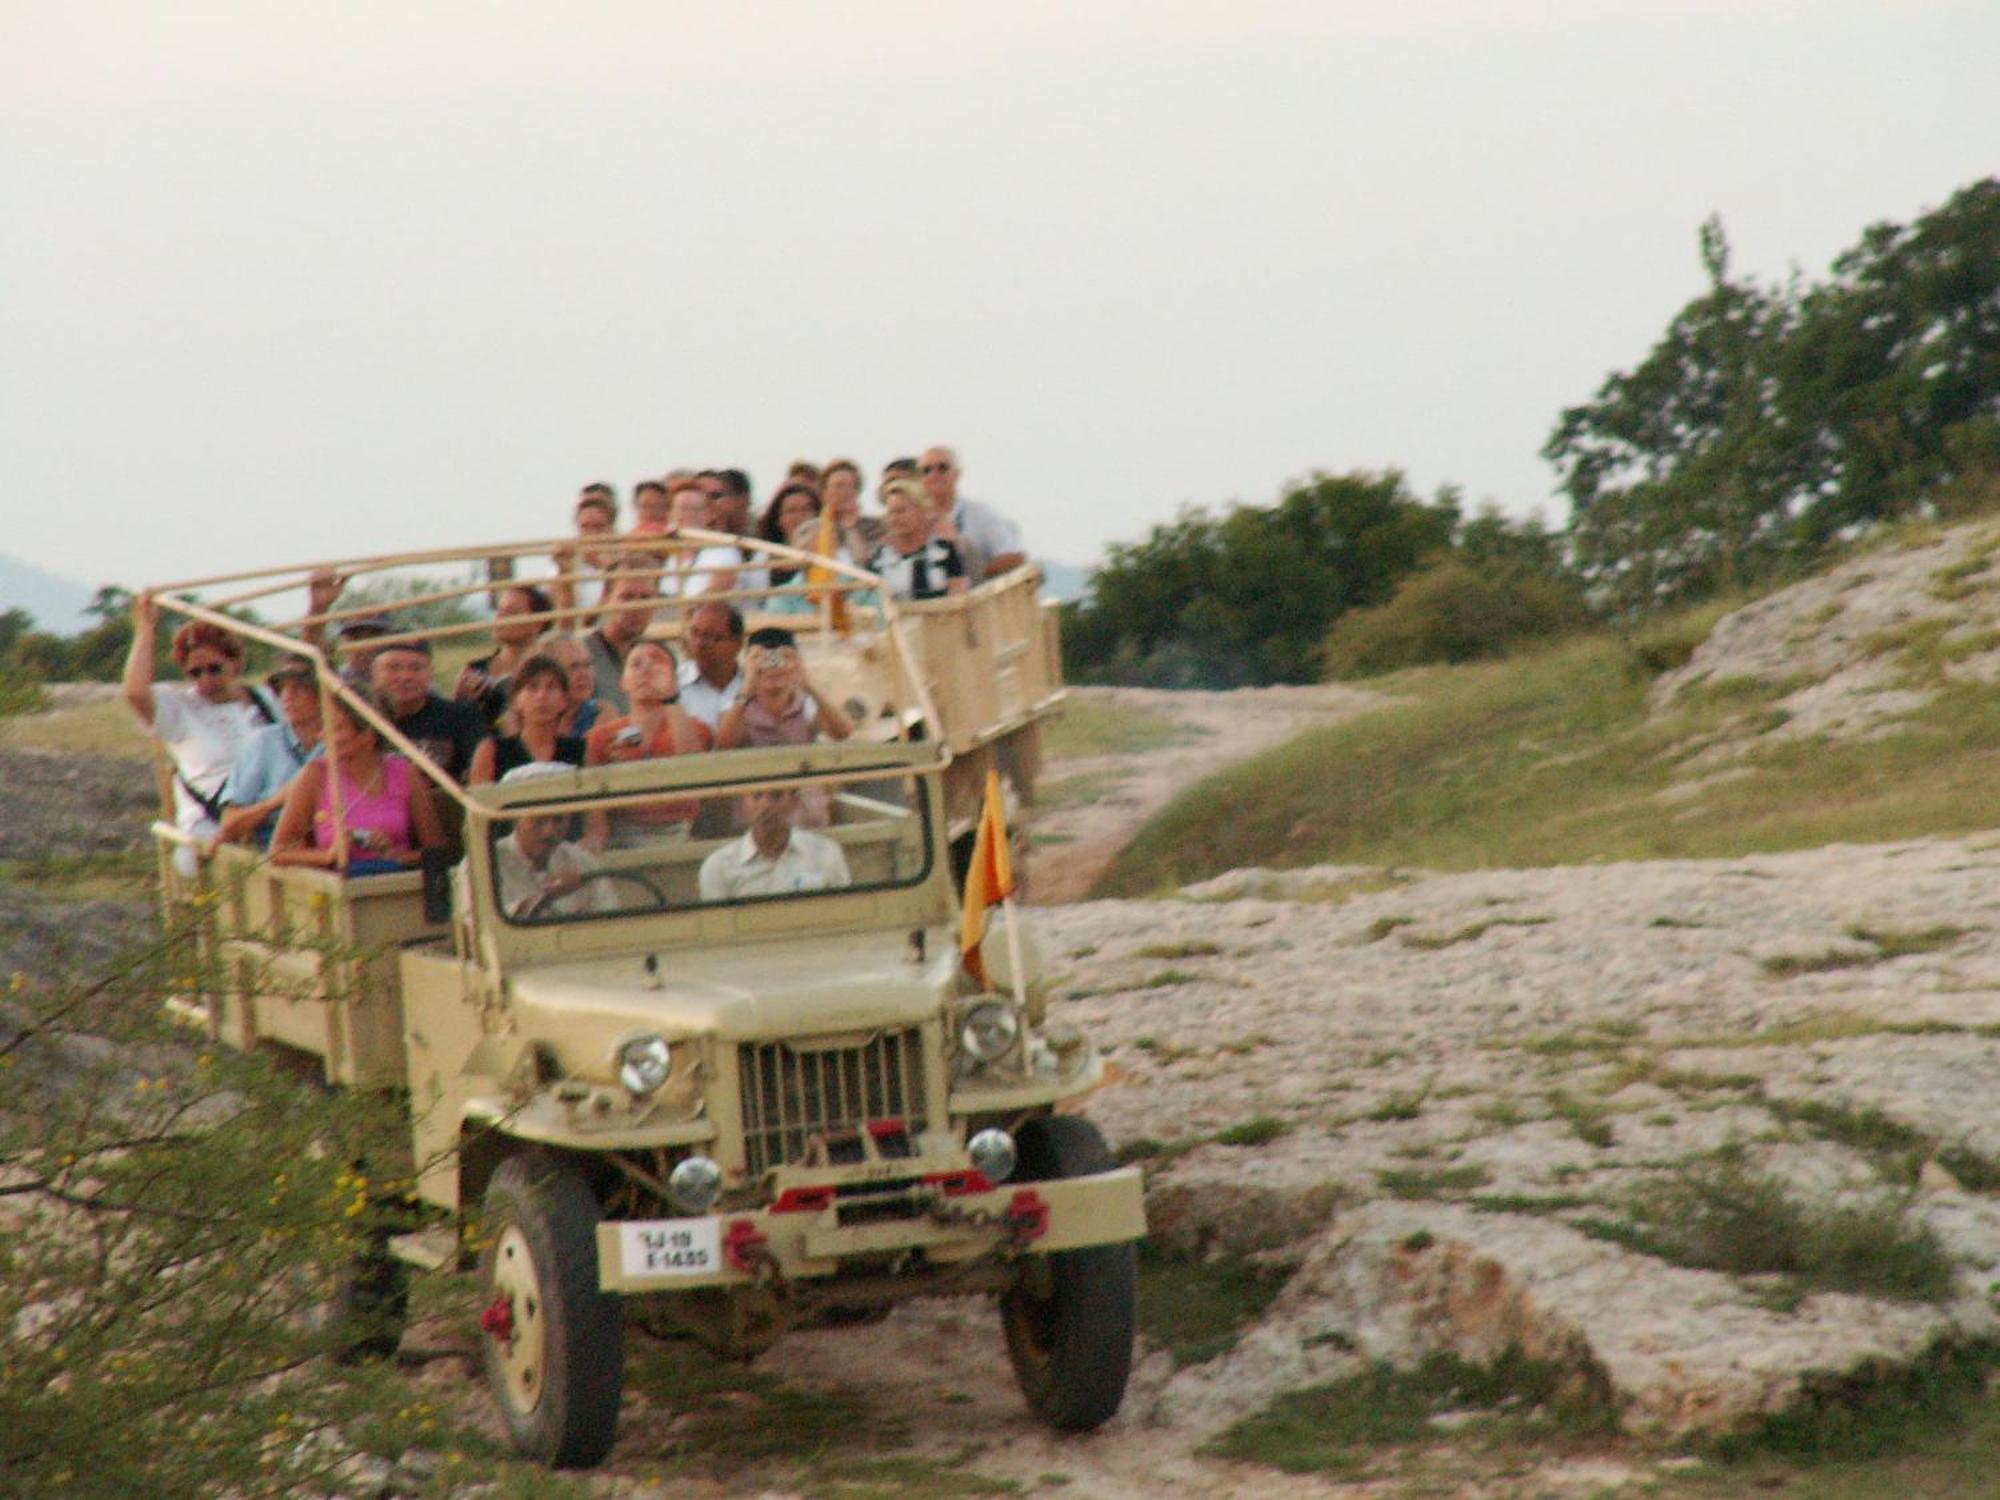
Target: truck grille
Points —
{"points": [[791, 1093]]}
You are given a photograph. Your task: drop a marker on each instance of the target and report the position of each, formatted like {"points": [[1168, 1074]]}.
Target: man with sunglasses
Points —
{"points": [[989, 543]]}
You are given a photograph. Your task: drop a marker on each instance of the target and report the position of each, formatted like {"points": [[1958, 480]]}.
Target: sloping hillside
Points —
{"points": [[1854, 706]]}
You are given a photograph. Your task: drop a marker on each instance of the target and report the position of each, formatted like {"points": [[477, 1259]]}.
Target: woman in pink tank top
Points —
{"points": [[384, 805]]}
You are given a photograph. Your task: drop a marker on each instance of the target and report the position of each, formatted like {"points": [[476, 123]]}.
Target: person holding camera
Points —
{"points": [[657, 725]]}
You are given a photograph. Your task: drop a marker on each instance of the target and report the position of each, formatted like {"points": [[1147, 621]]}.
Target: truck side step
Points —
{"points": [[430, 1250]]}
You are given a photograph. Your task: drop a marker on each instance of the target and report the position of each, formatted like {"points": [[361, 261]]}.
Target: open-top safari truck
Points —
{"points": [[711, 1114]]}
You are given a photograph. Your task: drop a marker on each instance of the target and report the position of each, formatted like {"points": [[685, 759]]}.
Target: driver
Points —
{"points": [[541, 873], [774, 857]]}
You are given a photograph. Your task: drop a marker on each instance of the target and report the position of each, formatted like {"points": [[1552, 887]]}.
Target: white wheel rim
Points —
{"points": [[521, 1353]]}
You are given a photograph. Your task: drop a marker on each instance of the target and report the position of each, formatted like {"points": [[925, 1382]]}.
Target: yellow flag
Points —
{"points": [[989, 881], [819, 578]]}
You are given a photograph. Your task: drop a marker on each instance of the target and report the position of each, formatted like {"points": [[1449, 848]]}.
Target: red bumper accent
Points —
{"points": [[1028, 1216], [744, 1245]]}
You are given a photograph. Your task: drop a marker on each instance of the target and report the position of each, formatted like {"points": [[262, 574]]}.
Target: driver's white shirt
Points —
{"points": [[809, 862], [521, 882]]}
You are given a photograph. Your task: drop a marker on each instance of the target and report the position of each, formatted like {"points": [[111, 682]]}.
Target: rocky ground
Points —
{"points": [[1438, 1111]]}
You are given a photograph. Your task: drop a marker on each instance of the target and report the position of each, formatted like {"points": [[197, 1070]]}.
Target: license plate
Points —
{"points": [[670, 1247]]}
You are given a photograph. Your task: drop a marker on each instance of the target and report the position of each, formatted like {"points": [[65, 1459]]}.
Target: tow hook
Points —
{"points": [[498, 1318], [1027, 1216]]}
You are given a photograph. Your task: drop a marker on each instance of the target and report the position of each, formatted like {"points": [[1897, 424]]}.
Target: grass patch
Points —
{"points": [[1167, 979], [1400, 1106], [1196, 949], [1588, 1122], [1198, 1309], [1258, 1132], [1444, 1182], [111, 876], [1538, 1204], [1885, 943], [1898, 1150], [1896, 943], [1720, 1216], [1381, 927], [1427, 941], [1333, 1427], [729, 1415], [1155, 1153], [105, 728], [1554, 758], [1086, 727], [1074, 791]]}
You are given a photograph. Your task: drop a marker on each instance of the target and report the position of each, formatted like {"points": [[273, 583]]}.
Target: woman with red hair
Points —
{"points": [[201, 722]]}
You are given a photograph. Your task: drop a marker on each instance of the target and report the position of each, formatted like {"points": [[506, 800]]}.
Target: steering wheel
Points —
{"points": [[643, 881]]}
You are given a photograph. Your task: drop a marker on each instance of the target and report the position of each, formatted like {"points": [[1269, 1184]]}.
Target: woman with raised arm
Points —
{"points": [[540, 702], [202, 723], [840, 488], [385, 806]]}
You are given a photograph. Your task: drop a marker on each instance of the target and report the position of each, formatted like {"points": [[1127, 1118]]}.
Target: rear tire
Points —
{"points": [[558, 1369], [1071, 1318]]}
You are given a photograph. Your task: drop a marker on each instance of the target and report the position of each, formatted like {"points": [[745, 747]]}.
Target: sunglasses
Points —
{"points": [[213, 669], [935, 469]]}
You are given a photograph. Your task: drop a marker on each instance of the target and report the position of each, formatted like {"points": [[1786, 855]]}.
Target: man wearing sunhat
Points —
{"points": [[254, 794]]}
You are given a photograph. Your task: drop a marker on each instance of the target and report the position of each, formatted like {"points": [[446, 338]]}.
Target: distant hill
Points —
{"points": [[1064, 581], [56, 603]]}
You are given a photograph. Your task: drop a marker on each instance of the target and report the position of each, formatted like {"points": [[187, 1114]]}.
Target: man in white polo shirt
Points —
{"points": [[989, 543], [773, 858], [710, 678]]}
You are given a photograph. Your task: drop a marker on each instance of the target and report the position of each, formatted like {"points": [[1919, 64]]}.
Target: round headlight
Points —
{"points": [[694, 1184], [988, 1030], [643, 1064], [992, 1151]]}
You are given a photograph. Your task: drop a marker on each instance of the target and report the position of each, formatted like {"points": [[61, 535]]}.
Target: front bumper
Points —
{"points": [[739, 1249]]}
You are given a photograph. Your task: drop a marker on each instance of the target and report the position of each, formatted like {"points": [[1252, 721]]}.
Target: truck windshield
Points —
{"points": [[702, 848]]}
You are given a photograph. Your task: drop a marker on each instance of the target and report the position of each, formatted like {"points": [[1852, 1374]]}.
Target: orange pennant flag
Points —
{"points": [[989, 881], [819, 578]]}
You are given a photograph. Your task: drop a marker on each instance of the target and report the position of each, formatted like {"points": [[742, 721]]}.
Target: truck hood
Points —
{"points": [[773, 987]]}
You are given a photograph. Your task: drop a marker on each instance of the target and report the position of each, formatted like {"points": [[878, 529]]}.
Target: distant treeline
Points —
{"points": [[1769, 424]]}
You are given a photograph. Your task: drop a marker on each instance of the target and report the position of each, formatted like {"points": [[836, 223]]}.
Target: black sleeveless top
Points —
{"points": [[509, 752]]}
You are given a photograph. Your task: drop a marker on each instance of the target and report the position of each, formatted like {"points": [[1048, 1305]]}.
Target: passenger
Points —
{"points": [[573, 657], [895, 468], [786, 520], [385, 805], [803, 471], [912, 562], [710, 678], [729, 496], [540, 702], [631, 584], [777, 705], [728, 492], [596, 523], [658, 725], [541, 873], [357, 656], [445, 731], [840, 488], [203, 723], [254, 795], [774, 857], [691, 567], [987, 540], [484, 683], [652, 509]]}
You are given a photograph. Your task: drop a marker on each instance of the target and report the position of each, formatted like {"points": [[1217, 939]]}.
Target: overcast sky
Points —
{"points": [[284, 280]]}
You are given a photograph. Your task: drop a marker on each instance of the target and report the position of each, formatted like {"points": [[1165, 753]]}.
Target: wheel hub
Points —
{"points": [[514, 1320]]}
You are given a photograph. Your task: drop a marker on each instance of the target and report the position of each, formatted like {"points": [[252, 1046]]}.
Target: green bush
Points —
{"points": [[1454, 611]]}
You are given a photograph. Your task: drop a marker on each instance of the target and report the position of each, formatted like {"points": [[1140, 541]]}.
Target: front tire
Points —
{"points": [[1071, 1318], [554, 1345]]}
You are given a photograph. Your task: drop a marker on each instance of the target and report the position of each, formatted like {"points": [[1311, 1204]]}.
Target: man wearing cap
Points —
{"points": [[541, 873], [987, 540], [447, 732], [254, 793]]}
